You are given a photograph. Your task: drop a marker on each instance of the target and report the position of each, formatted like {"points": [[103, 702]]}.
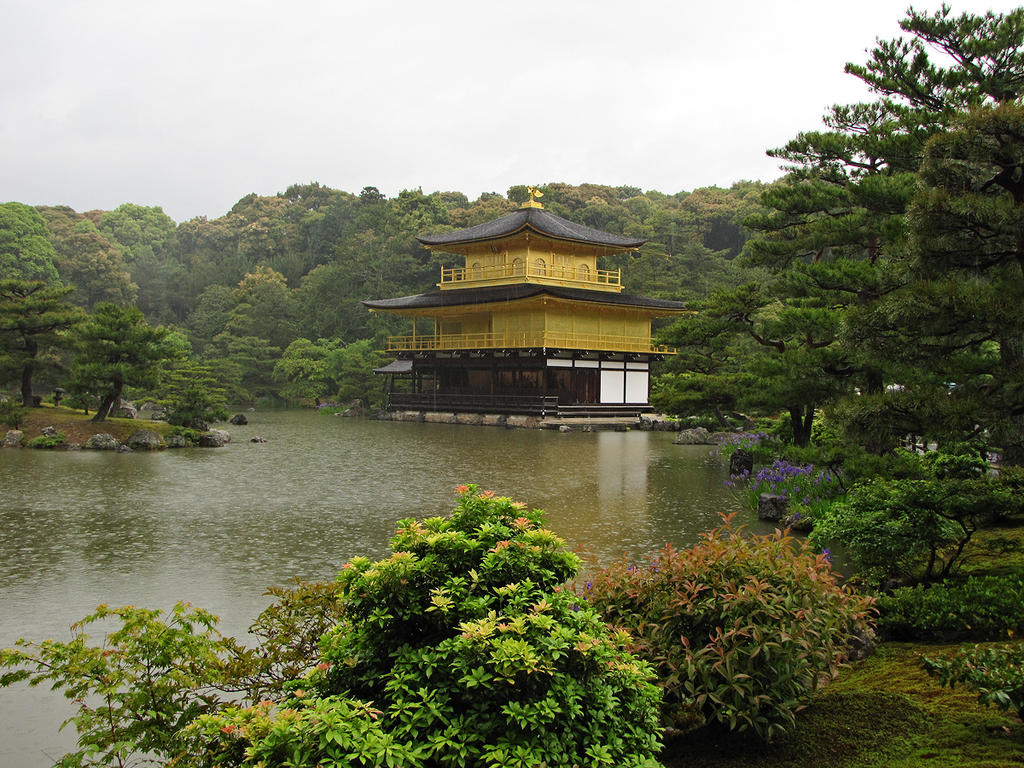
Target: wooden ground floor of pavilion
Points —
{"points": [[539, 382]]}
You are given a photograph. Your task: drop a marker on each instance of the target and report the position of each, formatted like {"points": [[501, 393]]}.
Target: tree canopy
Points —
{"points": [[25, 249], [34, 317], [116, 348]]}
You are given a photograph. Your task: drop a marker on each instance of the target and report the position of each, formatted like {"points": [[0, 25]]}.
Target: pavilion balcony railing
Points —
{"points": [[581, 276], [536, 340]]}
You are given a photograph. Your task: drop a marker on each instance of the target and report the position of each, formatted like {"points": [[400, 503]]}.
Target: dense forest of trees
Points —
{"points": [[268, 296]]}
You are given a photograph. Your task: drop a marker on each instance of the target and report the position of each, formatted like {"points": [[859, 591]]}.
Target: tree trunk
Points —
{"points": [[801, 417], [874, 384], [27, 372], [26, 386], [108, 402]]}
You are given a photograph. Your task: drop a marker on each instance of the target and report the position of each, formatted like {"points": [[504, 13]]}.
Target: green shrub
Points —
{"points": [[915, 529], [48, 441], [152, 674], [742, 629], [11, 413], [982, 607], [471, 655], [149, 677], [855, 464], [191, 435], [961, 461], [996, 673]]}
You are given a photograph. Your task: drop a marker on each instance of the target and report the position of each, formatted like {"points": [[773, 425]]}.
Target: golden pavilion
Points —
{"points": [[529, 325]]}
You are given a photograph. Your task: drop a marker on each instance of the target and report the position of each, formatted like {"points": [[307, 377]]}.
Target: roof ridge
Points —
{"points": [[541, 221]]}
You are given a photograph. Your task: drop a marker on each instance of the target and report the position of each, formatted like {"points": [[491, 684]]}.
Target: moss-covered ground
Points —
{"points": [[883, 711], [77, 427], [886, 710]]}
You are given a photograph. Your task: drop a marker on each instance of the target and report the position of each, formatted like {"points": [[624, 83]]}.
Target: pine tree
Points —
{"points": [[837, 231], [116, 348], [34, 317]]}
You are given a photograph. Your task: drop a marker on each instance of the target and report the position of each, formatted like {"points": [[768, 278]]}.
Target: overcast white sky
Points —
{"points": [[192, 104]]}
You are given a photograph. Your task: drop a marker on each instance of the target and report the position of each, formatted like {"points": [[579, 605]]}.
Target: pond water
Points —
{"points": [[218, 526]]}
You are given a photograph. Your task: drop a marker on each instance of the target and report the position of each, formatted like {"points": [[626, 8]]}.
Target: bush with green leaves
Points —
{"points": [[463, 649], [912, 529], [980, 607], [742, 629], [11, 413], [152, 674], [995, 672], [191, 435], [148, 678], [48, 441]]}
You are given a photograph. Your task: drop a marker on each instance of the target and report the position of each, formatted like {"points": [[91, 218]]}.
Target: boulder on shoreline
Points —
{"points": [[772, 507], [102, 441], [654, 422], [741, 463], [695, 436], [146, 440]]}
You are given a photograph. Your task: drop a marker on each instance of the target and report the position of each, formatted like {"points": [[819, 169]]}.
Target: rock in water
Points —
{"points": [[212, 439], [239, 419]]}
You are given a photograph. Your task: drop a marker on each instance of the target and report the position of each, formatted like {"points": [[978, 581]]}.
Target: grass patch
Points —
{"points": [[77, 427], [883, 711]]}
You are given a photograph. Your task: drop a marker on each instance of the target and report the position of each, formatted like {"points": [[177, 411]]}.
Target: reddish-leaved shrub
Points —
{"points": [[741, 628]]}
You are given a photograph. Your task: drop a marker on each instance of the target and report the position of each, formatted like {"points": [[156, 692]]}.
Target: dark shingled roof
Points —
{"points": [[489, 295], [539, 221]]}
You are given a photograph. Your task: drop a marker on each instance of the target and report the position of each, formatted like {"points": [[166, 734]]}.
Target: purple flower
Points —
{"points": [[828, 554]]}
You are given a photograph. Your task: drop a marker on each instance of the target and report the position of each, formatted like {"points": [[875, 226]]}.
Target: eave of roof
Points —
{"points": [[492, 294], [536, 219], [396, 367]]}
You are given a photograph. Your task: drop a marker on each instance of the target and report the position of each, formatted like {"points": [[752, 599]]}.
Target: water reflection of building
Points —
{"points": [[623, 459], [529, 324]]}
